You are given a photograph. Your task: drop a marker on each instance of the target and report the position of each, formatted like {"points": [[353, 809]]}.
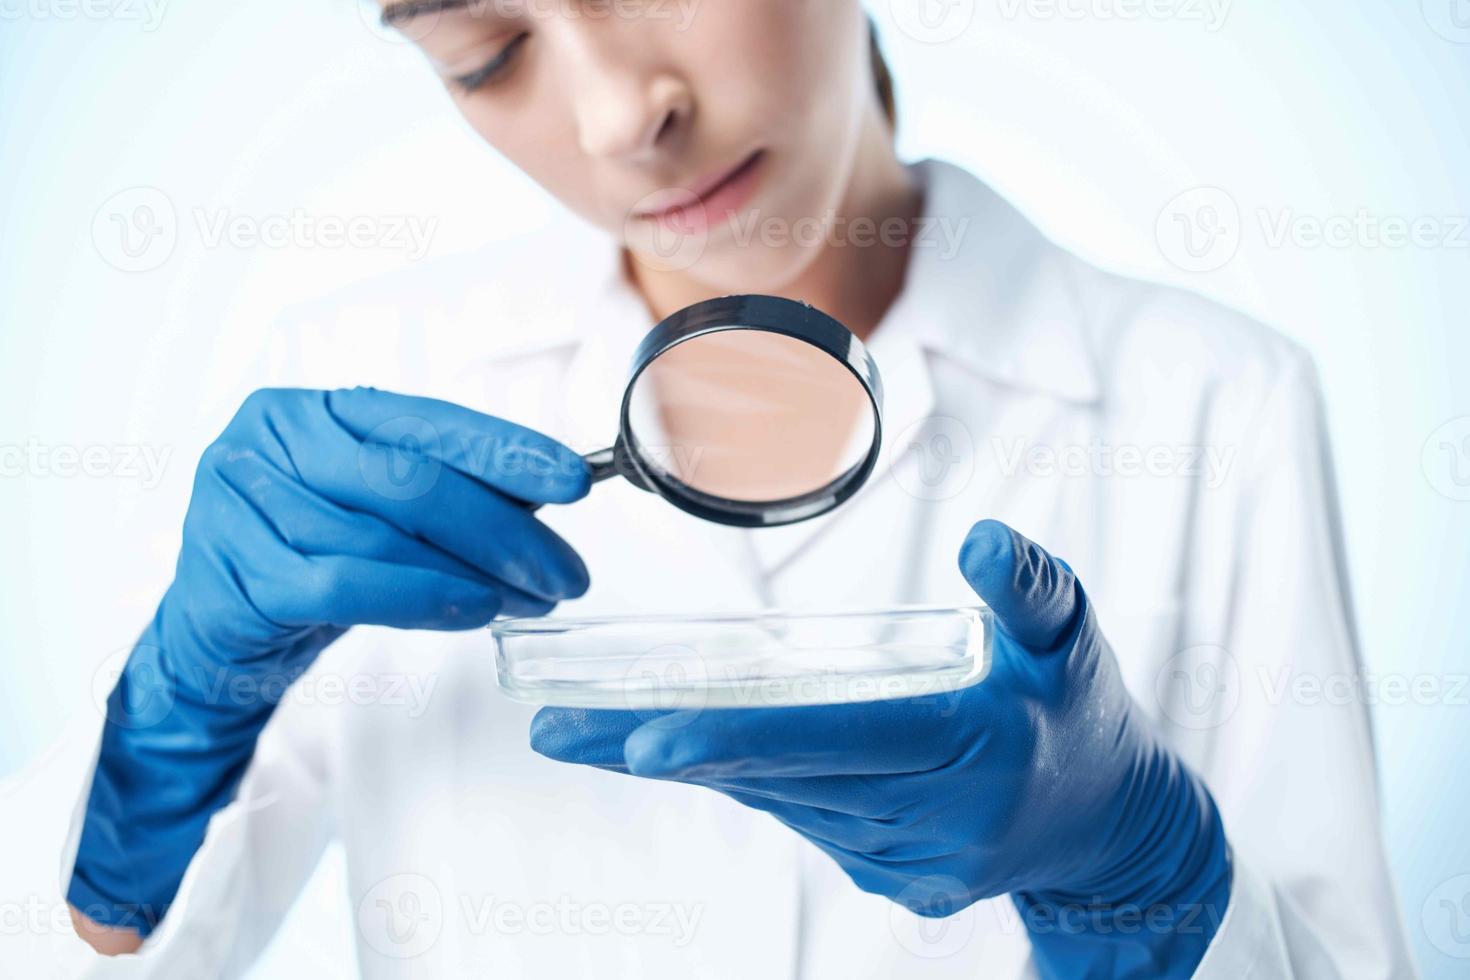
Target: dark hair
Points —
{"points": [[882, 76]]}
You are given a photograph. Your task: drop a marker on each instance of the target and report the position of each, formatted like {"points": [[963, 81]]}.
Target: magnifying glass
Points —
{"points": [[752, 411]]}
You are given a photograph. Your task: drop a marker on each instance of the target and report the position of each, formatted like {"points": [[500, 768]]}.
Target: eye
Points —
{"points": [[493, 69]]}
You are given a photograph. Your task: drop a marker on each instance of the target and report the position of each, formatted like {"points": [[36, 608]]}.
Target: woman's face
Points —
{"points": [[705, 134]]}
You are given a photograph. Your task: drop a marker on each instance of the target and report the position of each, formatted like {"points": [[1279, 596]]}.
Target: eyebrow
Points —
{"points": [[397, 13]]}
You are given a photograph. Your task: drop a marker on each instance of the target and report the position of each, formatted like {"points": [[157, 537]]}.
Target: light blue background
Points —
{"points": [[1089, 119]]}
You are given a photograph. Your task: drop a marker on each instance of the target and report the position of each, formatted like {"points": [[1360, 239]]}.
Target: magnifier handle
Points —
{"points": [[602, 464]]}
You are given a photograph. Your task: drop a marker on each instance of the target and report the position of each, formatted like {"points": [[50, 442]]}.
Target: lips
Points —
{"points": [[691, 208]]}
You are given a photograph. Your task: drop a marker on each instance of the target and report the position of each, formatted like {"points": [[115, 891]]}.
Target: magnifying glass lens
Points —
{"points": [[750, 415]]}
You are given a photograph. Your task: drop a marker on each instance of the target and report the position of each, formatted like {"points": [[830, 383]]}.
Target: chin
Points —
{"points": [[733, 268]]}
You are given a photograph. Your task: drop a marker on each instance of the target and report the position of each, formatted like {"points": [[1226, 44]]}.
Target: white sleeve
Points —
{"points": [[1286, 748]]}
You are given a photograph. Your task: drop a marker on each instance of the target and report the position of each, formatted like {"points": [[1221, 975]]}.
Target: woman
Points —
{"points": [[1206, 823]]}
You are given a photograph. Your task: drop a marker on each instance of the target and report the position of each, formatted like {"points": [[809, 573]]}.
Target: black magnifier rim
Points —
{"points": [[771, 314]]}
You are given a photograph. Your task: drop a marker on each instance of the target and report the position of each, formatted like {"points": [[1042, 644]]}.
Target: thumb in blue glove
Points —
{"points": [[1043, 781]]}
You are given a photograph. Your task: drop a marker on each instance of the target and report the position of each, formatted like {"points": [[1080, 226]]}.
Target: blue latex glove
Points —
{"points": [[1043, 781], [314, 511]]}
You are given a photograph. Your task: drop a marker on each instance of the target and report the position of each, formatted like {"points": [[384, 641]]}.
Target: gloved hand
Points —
{"points": [[1043, 781], [314, 511]]}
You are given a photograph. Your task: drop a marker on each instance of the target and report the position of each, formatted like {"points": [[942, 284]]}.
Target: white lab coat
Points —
{"points": [[1172, 451]]}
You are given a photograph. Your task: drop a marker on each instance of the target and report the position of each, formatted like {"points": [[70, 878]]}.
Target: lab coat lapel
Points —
{"points": [[991, 293]]}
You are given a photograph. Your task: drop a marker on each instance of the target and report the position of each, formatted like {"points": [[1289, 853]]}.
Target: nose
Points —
{"points": [[628, 115]]}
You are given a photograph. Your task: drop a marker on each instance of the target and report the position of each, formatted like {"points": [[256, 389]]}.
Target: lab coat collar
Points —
{"points": [[985, 289]]}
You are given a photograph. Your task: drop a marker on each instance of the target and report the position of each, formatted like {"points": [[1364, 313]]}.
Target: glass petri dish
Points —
{"points": [[766, 659]]}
